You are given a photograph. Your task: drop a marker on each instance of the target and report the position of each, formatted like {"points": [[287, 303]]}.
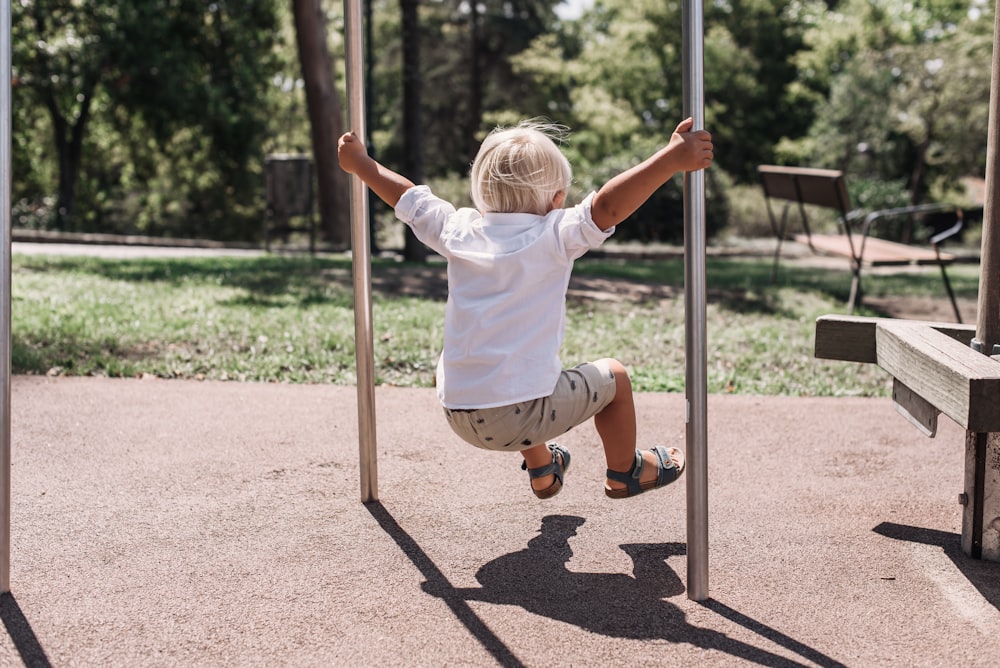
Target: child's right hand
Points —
{"points": [[354, 159], [692, 150], [687, 151], [352, 153]]}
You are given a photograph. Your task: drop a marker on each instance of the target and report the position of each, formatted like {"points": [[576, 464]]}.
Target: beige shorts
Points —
{"points": [[580, 393]]}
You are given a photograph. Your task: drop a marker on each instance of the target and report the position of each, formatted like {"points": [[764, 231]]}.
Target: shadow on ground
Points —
{"points": [[21, 633], [984, 575], [616, 605]]}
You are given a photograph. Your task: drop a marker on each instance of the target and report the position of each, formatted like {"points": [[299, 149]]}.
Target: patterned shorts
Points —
{"points": [[580, 393]]}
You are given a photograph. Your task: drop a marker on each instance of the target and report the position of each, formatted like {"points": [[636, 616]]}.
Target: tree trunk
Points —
{"points": [[476, 87], [69, 149], [325, 119], [413, 145]]}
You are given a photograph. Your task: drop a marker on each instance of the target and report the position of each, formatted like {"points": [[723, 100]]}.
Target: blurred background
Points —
{"points": [[161, 117]]}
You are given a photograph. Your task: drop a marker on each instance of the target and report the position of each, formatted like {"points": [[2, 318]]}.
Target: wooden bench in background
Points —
{"points": [[827, 188]]}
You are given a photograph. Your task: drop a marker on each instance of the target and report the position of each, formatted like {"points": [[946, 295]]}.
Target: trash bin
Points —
{"points": [[288, 183]]}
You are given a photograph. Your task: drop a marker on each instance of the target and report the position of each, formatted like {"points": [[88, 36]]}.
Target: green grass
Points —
{"points": [[291, 319]]}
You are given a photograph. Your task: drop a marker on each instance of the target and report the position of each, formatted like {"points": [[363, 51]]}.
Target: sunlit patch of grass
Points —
{"points": [[291, 319]]}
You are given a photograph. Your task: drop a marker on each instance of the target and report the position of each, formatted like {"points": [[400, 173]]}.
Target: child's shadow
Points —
{"points": [[612, 604]]}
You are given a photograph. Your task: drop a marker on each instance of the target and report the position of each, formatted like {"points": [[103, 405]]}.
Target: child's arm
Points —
{"points": [[384, 182], [687, 151]]}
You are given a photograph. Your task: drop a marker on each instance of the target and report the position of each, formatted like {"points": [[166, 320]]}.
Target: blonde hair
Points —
{"points": [[520, 169]]}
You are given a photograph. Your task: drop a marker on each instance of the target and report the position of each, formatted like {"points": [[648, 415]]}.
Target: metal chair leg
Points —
{"points": [[855, 298], [947, 286]]}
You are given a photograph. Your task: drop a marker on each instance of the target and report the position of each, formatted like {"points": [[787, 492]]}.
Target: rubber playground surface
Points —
{"points": [[185, 523]]}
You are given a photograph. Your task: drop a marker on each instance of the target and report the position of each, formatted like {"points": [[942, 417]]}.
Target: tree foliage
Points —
{"points": [[132, 91], [163, 109], [901, 93], [458, 48]]}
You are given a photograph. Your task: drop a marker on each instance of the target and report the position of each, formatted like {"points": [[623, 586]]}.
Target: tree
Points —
{"points": [[62, 68], [413, 142], [325, 119], [748, 69], [615, 76], [901, 94], [157, 76], [464, 70]]}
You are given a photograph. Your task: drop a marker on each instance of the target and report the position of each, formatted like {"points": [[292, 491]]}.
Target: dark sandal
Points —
{"points": [[668, 472], [558, 467]]}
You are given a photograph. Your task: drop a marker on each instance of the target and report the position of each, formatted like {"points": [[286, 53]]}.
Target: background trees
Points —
{"points": [[155, 117], [152, 113], [900, 91], [325, 114]]}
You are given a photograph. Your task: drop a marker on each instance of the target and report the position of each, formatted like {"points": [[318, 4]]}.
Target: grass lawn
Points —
{"points": [[290, 319]]}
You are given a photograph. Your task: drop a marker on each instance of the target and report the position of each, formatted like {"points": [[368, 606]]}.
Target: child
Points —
{"points": [[499, 376]]}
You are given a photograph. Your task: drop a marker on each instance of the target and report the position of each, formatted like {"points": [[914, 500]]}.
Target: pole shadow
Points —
{"points": [[20, 631], [984, 575], [436, 580], [775, 636], [611, 604]]}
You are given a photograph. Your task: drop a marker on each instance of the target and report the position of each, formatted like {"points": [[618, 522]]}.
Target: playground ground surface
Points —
{"points": [[186, 523]]}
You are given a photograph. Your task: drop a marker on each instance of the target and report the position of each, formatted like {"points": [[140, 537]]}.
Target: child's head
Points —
{"points": [[520, 170]]}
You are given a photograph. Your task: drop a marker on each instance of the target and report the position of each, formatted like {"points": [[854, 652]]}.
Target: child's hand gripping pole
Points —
{"points": [[354, 159]]}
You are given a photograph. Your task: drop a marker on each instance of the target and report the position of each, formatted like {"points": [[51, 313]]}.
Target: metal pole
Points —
{"points": [[982, 480], [988, 313], [5, 297], [361, 252], [696, 384]]}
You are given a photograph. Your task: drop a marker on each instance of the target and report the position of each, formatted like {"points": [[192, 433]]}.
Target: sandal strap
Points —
{"points": [[631, 478], [543, 470], [556, 467], [668, 470]]}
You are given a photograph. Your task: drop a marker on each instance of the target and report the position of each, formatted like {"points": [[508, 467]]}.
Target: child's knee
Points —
{"points": [[617, 369], [618, 372]]}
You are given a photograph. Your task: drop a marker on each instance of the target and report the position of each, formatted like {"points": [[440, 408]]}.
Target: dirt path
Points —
{"points": [[924, 308]]}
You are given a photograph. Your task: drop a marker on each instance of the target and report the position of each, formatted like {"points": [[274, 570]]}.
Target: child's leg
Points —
{"points": [[616, 427], [507, 429], [535, 457]]}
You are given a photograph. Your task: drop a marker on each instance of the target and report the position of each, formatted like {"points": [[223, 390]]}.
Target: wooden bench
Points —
{"points": [[937, 368], [827, 188]]}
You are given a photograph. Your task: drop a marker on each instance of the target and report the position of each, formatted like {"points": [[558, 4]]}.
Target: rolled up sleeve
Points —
{"points": [[578, 232], [426, 214]]}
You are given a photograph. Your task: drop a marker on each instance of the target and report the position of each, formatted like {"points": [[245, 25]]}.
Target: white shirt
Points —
{"points": [[507, 277]]}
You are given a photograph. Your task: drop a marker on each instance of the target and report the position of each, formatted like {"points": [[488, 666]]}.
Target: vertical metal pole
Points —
{"points": [[980, 535], [5, 298], [988, 314], [696, 385], [361, 253]]}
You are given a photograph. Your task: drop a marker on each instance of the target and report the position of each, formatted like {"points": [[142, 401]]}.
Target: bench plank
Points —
{"points": [[848, 338], [851, 338], [933, 360], [960, 382], [821, 187]]}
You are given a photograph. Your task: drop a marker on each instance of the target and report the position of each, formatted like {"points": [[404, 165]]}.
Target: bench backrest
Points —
{"points": [[822, 187]]}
